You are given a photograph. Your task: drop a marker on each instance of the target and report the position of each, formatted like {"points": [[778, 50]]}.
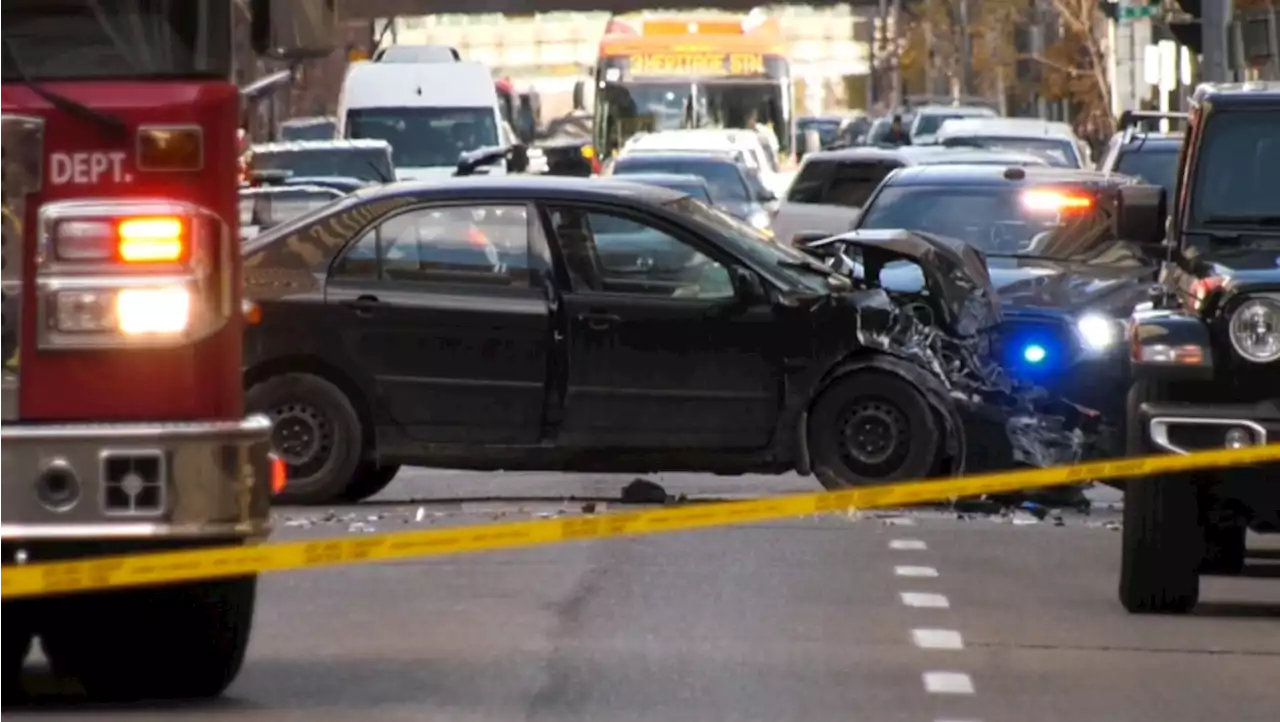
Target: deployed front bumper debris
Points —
{"points": [[949, 329]]}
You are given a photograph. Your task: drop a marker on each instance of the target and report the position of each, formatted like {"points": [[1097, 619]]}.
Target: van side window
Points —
{"points": [[847, 183]]}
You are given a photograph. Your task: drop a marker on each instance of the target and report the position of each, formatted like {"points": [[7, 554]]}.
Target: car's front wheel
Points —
{"points": [[872, 427], [317, 432], [1162, 543]]}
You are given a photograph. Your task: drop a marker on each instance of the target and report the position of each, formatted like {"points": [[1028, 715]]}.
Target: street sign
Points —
{"points": [[1131, 12]]}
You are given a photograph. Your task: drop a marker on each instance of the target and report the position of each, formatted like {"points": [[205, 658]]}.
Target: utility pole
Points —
{"points": [[1215, 21]]}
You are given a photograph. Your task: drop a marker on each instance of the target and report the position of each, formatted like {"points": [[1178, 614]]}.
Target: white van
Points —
{"points": [[430, 113]]}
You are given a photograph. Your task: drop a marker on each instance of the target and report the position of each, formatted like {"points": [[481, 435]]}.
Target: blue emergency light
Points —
{"points": [[1034, 353]]}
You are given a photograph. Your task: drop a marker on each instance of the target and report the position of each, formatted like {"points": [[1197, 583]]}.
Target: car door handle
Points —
{"points": [[599, 321], [363, 305]]}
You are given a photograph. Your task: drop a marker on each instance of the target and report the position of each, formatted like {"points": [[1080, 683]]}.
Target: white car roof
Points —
{"points": [[975, 111], [462, 84], [695, 138], [1005, 127], [335, 144]]}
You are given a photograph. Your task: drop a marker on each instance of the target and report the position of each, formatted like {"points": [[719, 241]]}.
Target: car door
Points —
{"points": [[441, 312], [661, 351]]}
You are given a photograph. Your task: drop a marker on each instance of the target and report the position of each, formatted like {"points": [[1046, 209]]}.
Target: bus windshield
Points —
{"points": [[624, 109], [93, 39]]}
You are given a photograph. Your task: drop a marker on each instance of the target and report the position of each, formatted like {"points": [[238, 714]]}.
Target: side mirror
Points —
{"points": [[747, 286], [294, 29], [518, 158], [579, 95], [1140, 214]]}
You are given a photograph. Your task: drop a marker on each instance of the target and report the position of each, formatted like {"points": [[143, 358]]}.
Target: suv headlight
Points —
{"points": [[1255, 330]]}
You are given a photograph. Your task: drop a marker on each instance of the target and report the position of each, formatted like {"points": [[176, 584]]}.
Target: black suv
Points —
{"points": [[1206, 352]]}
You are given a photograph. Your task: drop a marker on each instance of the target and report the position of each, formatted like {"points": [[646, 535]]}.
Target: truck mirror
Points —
{"points": [[294, 29], [1140, 214]]}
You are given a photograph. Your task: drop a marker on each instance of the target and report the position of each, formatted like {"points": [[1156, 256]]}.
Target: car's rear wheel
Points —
{"points": [[872, 427], [317, 432], [184, 641], [369, 480], [1162, 542]]}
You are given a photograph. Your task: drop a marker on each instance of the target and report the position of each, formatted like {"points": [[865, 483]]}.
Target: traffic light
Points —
{"points": [[1187, 32]]}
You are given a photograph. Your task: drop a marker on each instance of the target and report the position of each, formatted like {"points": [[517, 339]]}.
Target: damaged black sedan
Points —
{"points": [[557, 324]]}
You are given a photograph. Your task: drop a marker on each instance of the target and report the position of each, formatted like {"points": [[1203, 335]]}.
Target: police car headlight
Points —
{"points": [[1097, 332], [760, 220], [1255, 330]]}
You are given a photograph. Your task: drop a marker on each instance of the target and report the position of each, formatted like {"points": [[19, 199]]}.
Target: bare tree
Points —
{"points": [[1076, 64]]}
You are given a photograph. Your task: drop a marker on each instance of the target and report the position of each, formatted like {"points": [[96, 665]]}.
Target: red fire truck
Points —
{"points": [[124, 427]]}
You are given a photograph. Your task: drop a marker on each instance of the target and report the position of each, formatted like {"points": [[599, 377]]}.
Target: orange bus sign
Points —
{"points": [[697, 64]]}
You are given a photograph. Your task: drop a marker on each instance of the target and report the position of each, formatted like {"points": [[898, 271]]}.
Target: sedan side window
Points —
{"points": [[614, 253], [455, 244]]}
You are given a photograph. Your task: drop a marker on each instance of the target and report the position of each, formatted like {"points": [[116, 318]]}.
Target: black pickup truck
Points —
{"points": [[564, 324]]}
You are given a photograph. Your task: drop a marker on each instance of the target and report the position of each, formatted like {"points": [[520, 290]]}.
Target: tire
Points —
{"points": [[872, 427], [1224, 549], [18, 632], [176, 642], [315, 430], [369, 480], [1162, 543]]}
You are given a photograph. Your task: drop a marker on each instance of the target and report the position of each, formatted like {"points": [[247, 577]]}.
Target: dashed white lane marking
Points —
{"points": [[904, 545], [925, 600], [948, 683], [915, 571], [937, 639]]}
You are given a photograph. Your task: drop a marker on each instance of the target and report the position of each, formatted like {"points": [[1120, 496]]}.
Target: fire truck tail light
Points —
{"points": [[170, 148], [152, 240], [84, 240]]}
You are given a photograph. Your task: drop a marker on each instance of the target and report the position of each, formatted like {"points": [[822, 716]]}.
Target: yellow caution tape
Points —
{"points": [[185, 566]]}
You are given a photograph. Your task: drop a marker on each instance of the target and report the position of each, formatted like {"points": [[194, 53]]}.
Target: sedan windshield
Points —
{"points": [[997, 220], [426, 137]]}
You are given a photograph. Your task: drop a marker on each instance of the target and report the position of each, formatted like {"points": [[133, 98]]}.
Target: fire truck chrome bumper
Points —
{"points": [[170, 480]]}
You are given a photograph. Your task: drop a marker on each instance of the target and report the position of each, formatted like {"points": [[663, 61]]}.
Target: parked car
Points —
{"points": [[264, 207], [928, 119], [367, 160], [1146, 154], [735, 188], [598, 325], [695, 187], [1056, 141], [832, 186], [319, 127]]}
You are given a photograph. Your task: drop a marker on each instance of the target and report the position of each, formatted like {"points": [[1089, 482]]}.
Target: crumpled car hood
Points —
{"points": [[954, 271]]}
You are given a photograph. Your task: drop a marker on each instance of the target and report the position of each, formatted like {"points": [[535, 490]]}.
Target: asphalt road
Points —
{"points": [[918, 617]]}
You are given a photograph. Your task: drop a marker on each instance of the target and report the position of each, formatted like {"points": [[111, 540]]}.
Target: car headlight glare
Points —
{"points": [[1255, 330], [760, 220], [1097, 332]]}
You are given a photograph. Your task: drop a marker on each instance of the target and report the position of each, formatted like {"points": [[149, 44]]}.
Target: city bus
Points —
{"points": [[665, 73]]}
